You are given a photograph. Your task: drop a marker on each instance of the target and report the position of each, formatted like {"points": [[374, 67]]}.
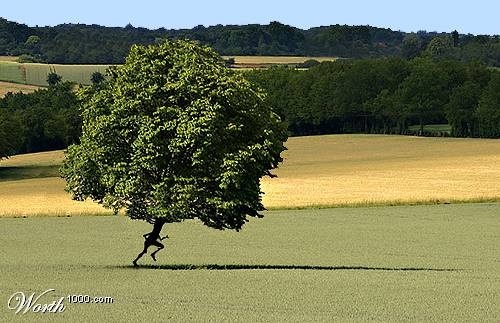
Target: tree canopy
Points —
{"points": [[173, 134], [389, 96], [53, 79], [46, 119]]}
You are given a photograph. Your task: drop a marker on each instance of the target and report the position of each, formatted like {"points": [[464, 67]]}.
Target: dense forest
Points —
{"points": [[94, 44], [47, 119], [385, 96]]}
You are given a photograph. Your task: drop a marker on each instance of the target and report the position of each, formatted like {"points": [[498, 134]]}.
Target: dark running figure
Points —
{"points": [[152, 239]]}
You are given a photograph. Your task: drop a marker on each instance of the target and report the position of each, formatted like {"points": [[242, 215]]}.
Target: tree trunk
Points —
{"points": [[157, 226]]}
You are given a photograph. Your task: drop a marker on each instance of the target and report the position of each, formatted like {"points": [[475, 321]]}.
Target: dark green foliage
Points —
{"points": [[25, 58], [97, 78], [308, 64], [174, 135], [53, 79], [13, 37], [488, 112], [440, 47], [47, 119], [460, 110], [32, 40], [229, 61], [93, 44], [412, 46], [10, 134], [380, 96], [456, 38], [333, 97], [426, 90]]}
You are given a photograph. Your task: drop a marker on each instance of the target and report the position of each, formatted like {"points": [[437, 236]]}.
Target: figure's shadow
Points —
{"points": [[279, 267]]}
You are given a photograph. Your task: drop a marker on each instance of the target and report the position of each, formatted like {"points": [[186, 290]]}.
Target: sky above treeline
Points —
{"points": [[474, 17]]}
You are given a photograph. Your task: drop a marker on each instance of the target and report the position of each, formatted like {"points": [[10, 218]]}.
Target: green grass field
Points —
{"points": [[12, 72], [36, 74], [401, 263], [422, 263]]}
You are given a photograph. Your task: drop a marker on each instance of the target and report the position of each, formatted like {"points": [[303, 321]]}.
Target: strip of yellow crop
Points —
{"points": [[6, 87], [370, 170], [8, 58], [48, 158], [319, 171], [276, 59], [42, 196]]}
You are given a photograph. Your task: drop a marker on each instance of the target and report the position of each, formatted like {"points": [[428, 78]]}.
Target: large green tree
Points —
{"points": [[53, 79], [440, 47], [172, 135], [460, 110], [427, 89], [488, 112], [10, 134]]}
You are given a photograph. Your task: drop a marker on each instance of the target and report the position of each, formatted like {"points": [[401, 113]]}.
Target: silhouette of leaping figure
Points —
{"points": [[152, 239]]}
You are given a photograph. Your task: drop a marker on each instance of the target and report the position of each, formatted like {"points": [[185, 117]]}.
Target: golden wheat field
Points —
{"points": [[276, 59], [39, 196], [8, 58], [49, 158], [341, 170], [242, 59], [245, 63], [335, 170]]}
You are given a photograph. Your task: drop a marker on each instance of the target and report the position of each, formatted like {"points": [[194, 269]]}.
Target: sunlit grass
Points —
{"points": [[37, 73], [422, 263], [11, 72]]}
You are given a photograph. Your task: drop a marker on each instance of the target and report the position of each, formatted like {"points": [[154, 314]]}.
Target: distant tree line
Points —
{"points": [[94, 44], [385, 96], [47, 119]]}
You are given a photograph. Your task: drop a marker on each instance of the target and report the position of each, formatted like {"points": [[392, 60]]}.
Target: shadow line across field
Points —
{"points": [[279, 267], [8, 173]]}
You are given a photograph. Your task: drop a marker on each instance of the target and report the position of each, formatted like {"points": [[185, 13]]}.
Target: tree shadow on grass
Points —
{"points": [[279, 267], [8, 173]]}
